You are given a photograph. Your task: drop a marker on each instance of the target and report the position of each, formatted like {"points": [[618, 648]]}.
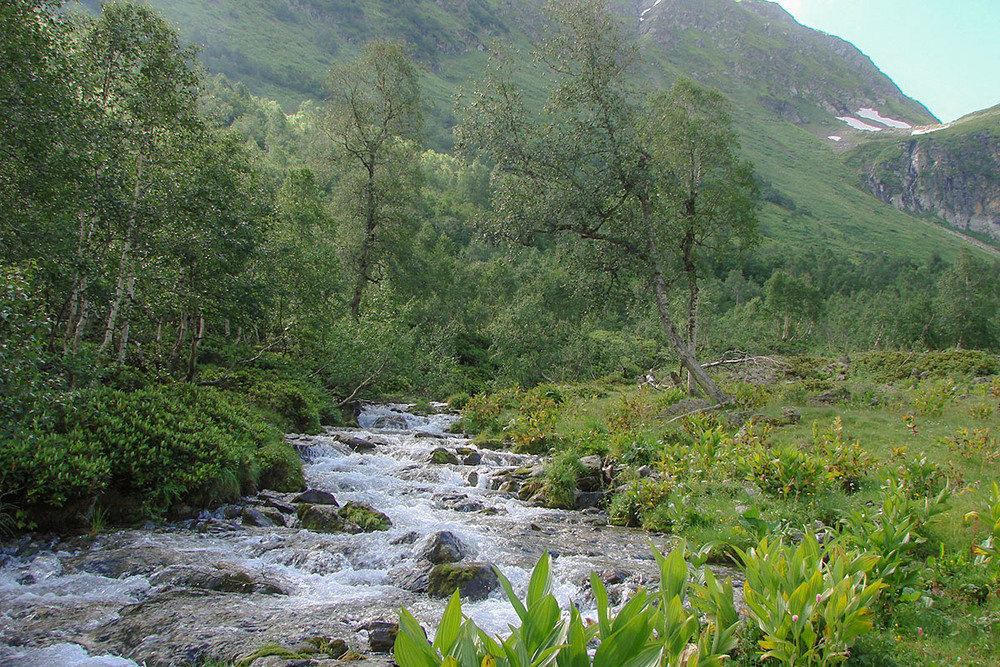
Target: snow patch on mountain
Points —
{"points": [[859, 124], [872, 114], [929, 129], [642, 16]]}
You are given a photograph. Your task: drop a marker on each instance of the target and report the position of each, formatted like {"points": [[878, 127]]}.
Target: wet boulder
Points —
{"points": [[325, 519], [414, 580], [592, 478], [587, 499], [442, 456], [251, 516], [315, 497], [364, 515], [395, 422], [440, 547], [222, 577], [382, 636], [357, 444], [472, 580]]}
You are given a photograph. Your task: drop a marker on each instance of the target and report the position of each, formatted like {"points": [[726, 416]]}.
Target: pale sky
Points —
{"points": [[943, 53]]}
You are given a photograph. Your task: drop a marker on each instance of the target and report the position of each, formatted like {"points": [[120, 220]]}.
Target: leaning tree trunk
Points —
{"points": [[685, 354]]}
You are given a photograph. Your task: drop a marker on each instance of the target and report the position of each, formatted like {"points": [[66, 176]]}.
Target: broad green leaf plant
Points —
{"points": [[653, 628], [810, 601]]}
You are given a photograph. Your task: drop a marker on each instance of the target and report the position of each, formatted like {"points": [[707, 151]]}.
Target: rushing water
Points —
{"points": [[214, 588]]}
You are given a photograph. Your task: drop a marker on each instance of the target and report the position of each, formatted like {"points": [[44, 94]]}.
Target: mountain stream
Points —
{"points": [[212, 587]]}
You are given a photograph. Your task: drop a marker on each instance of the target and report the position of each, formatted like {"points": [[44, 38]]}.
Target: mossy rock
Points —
{"points": [[334, 648], [267, 651], [365, 516], [472, 580], [325, 519], [351, 656], [442, 456]]}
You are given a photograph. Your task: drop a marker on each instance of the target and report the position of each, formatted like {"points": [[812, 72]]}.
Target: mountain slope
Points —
{"points": [[952, 172], [791, 85]]}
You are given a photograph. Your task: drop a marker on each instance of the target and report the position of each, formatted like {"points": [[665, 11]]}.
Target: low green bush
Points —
{"points": [[156, 447], [559, 487], [292, 404]]}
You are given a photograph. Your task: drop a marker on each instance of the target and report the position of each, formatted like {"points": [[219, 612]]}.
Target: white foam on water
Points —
{"points": [[61, 655], [317, 569]]}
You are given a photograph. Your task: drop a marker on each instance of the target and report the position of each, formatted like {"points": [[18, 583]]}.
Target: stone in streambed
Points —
{"points": [[442, 456], [382, 636], [252, 516], [365, 516], [472, 580], [440, 547], [357, 444], [414, 580], [222, 577], [316, 497], [325, 519]]}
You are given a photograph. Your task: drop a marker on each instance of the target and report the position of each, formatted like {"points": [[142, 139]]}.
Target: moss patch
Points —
{"points": [[365, 516]]}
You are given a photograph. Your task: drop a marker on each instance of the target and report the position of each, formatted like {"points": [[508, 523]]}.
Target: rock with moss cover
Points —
{"points": [[365, 516], [473, 580], [325, 519], [442, 456]]}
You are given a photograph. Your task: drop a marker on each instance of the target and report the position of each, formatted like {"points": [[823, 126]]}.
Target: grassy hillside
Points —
{"points": [[789, 83]]}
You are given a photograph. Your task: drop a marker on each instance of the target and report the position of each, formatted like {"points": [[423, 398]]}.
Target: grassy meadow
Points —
{"points": [[892, 454]]}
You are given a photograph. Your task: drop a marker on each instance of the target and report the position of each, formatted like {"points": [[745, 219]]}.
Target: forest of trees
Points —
{"points": [[160, 226]]}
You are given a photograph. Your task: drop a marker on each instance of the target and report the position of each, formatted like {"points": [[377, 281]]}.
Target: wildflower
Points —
{"points": [[920, 632], [819, 597], [795, 618]]}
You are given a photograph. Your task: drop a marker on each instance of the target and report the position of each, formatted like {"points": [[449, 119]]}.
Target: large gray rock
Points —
{"points": [[325, 519], [355, 443], [316, 497], [414, 580], [473, 580], [254, 517], [222, 577], [382, 636], [440, 547]]}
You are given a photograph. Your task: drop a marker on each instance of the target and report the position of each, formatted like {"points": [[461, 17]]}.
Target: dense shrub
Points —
{"points": [[158, 447], [293, 405], [892, 365]]}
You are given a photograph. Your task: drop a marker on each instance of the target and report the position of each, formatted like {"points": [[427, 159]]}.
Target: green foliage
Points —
{"points": [[28, 385], [890, 534], [295, 404], [159, 446], [811, 602], [787, 472], [561, 475], [481, 413], [931, 398], [652, 628], [848, 463], [987, 550]]}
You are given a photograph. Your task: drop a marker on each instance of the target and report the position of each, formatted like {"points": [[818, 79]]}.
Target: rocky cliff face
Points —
{"points": [[952, 174]]}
